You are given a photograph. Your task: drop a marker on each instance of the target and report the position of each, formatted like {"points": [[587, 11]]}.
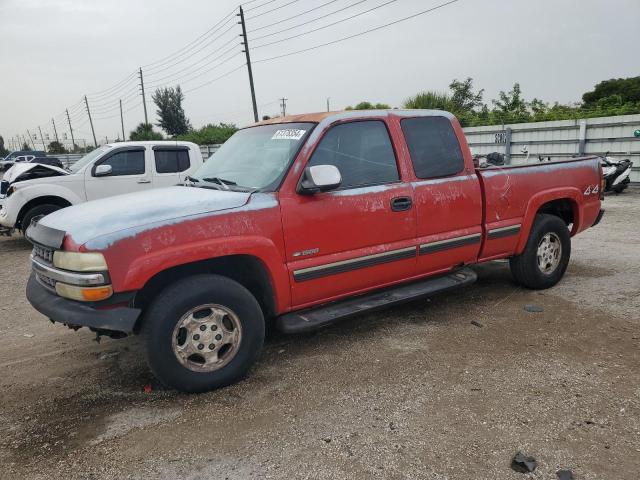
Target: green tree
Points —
{"points": [[369, 106], [26, 147], [430, 100], [145, 131], [627, 90], [210, 134], [172, 117], [56, 147], [464, 99], [511, 107]]}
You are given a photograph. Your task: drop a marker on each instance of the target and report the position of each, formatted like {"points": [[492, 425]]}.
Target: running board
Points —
{"points": [[318, 317]]}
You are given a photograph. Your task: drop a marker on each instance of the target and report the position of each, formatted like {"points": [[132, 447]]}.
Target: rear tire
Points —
{"points": [[37, 212], [546, 256], [181, 329]]}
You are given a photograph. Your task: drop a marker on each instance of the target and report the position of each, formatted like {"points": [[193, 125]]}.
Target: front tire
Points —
{"points": [[37, 212], [203, 332], [546, 256]]}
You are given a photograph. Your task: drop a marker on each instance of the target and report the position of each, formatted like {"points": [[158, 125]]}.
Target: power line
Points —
{"points": [[309, 21], [173, 75], [326, 26], [181, 78], [197, 51], [216, 79], [357, 34], [272, 10], [259, 6], [192, 43], [293, 16]]}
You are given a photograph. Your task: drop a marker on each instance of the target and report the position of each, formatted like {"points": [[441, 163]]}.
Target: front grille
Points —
{"points": [[43, 253]]}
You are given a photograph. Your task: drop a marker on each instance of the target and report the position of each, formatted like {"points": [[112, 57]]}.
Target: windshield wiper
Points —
{"points": [[191, 179], [220, 181]]}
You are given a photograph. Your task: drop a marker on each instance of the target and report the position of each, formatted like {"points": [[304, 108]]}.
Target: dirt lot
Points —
{"points": [[413, 392]]}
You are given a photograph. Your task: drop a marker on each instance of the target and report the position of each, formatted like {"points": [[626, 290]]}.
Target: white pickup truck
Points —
{"points": [[30, 190]]}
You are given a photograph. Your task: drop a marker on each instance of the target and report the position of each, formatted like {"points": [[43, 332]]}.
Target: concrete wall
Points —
{"points": [[563, 138]]}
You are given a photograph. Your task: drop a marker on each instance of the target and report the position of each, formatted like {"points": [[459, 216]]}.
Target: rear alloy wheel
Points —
{"points": [[546, 255], [203, 332]]}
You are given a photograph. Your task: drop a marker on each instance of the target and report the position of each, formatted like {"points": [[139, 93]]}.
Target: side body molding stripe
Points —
{"points": [[455, 242], [353, 264], [504, 231]]}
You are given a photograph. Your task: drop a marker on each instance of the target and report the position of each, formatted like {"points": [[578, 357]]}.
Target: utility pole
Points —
{"points": [[73, 141], [54, 130], [122, 122], [283, 106], [31, 139], [328, 109], [144, 102], [86, 102], [44, 147], [246, 51]]}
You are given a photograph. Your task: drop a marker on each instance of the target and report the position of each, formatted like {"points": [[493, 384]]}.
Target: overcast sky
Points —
{"points": [[52, 52]]}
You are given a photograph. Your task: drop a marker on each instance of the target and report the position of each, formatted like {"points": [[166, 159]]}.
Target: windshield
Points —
{"points": [[88, 158], [254, 158]]}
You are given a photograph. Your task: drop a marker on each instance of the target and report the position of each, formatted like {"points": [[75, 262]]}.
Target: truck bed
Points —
{"points": [[513, 194]]}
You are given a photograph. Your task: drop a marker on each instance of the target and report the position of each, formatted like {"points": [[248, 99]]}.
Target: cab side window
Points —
{"points": [[128, 162], [171, 161], [433, 146], [362, 151]]}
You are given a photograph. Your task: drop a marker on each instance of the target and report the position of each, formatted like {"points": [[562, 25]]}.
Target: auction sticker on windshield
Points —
{"points": [[288, 134]]}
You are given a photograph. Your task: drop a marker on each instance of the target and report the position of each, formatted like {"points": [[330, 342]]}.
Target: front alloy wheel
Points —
{"points": [[207, 337]]}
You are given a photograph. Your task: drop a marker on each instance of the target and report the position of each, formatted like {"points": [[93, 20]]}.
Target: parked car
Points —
{"points": [[32, 190], [10, 159], [304, 220]]}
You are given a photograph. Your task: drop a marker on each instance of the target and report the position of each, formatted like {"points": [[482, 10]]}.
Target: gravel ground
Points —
{"points": [[412, 392]]}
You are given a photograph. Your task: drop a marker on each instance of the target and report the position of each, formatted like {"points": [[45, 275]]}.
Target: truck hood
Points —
{"points": [[139, 211], [29, 171]]}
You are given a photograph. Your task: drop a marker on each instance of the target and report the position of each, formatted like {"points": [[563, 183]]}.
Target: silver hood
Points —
{"points": [[151, 208]]}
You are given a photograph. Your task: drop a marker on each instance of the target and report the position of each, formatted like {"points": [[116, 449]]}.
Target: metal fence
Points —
{"points": [[524, 142]]}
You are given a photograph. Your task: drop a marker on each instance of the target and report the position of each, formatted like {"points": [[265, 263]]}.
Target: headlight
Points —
{"points": [[79, 261]]}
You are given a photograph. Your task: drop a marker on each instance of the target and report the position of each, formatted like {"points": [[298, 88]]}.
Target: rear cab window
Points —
{"points": [[171, 160], [361, 150], [433, 146]]}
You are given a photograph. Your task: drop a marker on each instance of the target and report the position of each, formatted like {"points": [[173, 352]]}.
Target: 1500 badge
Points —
{"points": [[303, 253]]}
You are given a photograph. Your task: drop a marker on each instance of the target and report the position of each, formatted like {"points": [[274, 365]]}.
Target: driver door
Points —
{"points": [[359, 236], [130, 172]]}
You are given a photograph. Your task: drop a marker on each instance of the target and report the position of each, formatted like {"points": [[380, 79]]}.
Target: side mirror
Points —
{"points": [[319, 178], [102, 171]]}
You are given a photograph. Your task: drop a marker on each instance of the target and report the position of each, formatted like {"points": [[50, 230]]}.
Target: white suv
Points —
{"points": [[31, 190]]}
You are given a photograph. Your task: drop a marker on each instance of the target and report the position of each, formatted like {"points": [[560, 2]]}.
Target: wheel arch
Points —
{"points": [[563, 203], [248, 270], [41, 200]]}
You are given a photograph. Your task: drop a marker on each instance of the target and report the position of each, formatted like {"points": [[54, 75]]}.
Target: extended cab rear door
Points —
{"points": [[359, 236], [130, 172], [169, 164], [448, 199]]}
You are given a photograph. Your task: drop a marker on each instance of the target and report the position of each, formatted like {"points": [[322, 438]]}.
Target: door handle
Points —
{"points": [[401, 204], [144, 180]]}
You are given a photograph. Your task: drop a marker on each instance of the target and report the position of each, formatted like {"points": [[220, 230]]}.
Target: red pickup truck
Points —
{"points": [[301, 221]]}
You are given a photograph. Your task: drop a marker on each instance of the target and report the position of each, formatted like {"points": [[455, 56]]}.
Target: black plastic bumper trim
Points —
{"points": [[70, 312], [599, 217]]}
